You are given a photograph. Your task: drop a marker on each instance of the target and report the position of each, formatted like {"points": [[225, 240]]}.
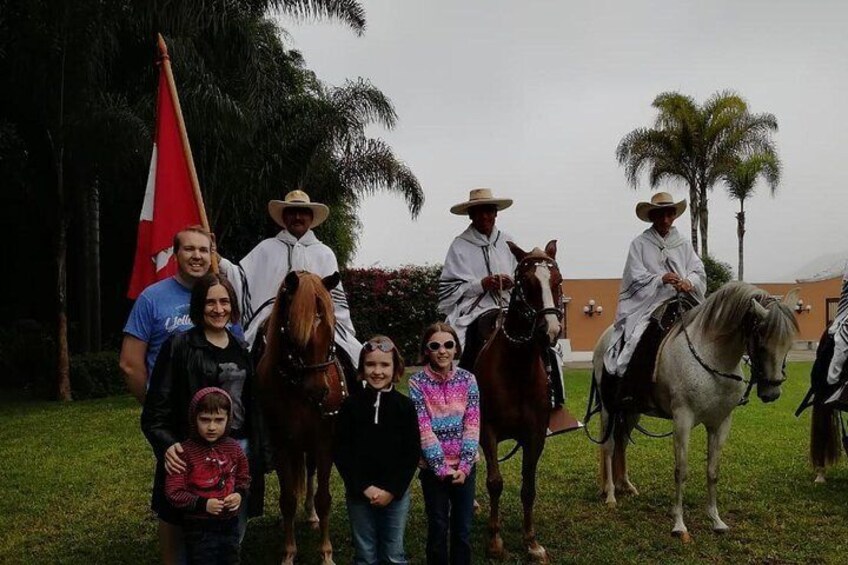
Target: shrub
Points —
{"points": [[27, 358], [718, 273], [399, 303], [95, 375]]}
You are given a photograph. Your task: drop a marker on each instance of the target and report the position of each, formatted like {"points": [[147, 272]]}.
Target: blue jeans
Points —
{"points": [[209, 541], [450, 510], [378, 532]]}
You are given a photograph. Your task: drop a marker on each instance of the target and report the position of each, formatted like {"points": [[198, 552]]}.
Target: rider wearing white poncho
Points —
{"points": [[839, 331], [258, 276], [660, 264]]}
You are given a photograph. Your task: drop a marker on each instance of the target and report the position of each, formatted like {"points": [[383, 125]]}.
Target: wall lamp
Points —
{"points": [[590, 309], [801, 308]]}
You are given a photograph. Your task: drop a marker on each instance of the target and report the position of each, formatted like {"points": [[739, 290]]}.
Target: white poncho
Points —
{"points": [[839, 330], [471, 257], [258, 276], [642, 290]]}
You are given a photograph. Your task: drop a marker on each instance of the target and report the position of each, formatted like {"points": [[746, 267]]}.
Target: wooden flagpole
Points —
{"points": [[195, 183]]}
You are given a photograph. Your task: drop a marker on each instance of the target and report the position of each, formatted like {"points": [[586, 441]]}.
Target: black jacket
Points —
{"points": [[184, 366], [377, 444]]}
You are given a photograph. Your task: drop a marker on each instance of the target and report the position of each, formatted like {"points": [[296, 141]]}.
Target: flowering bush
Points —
{"points": [[398, 303]]}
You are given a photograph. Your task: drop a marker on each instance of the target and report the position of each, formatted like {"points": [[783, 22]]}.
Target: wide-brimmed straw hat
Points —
{"points": [[298, 199], [480, 197], [658, 201]]}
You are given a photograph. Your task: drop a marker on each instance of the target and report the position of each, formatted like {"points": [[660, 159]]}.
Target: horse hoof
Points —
{"points": [[683, 535], [820, 480], [313, 524], [537, 554], [611, 504], [496, 549], [327, 560], [476, 507], [720, 528]]}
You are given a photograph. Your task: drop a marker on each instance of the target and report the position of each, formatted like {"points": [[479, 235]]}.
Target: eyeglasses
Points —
{"points": [[384, 346], [435, 345]]}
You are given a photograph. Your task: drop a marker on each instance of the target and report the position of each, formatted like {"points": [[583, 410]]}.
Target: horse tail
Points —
{"points": [[825, 442]]}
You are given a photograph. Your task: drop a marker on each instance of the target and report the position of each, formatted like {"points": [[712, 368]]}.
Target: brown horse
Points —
{"points": [[512, 372], [302, 389]]}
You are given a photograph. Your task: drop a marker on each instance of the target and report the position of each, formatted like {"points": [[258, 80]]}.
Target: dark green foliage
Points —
{"points": [[26, 358], [718, 273], [397, 303], [96, 375]]}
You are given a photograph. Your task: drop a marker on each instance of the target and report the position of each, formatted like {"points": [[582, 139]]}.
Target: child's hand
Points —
{"points": [[370, 492], [232, 502], [173, 462], [458, 478], [214, 506], [382, 498]]}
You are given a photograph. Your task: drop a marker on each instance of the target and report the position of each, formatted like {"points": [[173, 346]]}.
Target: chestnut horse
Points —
{"points": [[512, 373], [302, 388]]}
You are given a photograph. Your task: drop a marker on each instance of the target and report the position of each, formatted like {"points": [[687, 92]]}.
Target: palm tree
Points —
{"points": [[741, 181], [696, 145]]}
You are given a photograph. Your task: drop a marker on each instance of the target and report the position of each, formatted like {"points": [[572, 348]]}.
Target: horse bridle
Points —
{"points": [[525, 311], [294, 371], [752, 347]]}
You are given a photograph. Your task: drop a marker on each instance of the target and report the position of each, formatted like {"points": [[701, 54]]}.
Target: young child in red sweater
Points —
{"points": [[215, 481]]}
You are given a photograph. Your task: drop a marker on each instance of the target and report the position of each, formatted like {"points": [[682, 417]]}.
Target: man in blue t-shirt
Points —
{"points": [[162, 309]]}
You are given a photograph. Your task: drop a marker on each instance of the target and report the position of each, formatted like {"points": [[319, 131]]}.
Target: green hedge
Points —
{"points": [[399, 303]]}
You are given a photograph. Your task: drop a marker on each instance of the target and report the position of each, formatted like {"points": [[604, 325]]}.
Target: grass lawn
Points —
{"points": [[77, 478]]}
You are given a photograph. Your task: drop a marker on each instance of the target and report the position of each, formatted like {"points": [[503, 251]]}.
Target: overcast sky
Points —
{"points": [[531, 97]]}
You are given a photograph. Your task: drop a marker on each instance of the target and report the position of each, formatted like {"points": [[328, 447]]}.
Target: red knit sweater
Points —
{"points": [[212, 471]]}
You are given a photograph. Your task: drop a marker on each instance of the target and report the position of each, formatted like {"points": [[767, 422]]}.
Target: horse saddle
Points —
{"points": [[478, 334], [634, 391]]}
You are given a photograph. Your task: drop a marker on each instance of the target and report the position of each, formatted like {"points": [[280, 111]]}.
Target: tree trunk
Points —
{"points": [[703, 217], [693, 215], [91, 314], [63, 369], [84, 282], [740, 232]]}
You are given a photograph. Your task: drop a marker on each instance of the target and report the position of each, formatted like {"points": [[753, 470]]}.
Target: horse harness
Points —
{"points": [[753, 346], [526, 312], [293, 371]]}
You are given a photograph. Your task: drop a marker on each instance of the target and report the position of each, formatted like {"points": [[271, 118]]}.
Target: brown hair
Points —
{"points": [[200, 291], [434, 329], [196, 229], [212, 403], [397, 360]]}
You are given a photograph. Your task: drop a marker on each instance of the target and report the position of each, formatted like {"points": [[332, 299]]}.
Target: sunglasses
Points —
{"points": [[384, 346], [435, 345]]}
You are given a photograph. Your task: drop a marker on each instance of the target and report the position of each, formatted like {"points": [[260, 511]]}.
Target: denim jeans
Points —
{"points": [[378, 532], [450, 510], [210, 541]]}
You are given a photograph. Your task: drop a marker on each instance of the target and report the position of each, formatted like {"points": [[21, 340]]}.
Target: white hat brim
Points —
{"points": [[644, 209], [462, 208], [320, 212]]}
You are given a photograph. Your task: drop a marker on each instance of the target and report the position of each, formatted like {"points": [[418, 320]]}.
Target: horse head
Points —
{"points": [[773, 328], [300, 331], [536, 302]]}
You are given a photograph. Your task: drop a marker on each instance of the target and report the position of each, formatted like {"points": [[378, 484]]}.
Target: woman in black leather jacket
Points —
{"points": [[206, 355]]}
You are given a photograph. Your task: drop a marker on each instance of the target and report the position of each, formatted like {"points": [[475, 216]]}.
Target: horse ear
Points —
{"points": [[551, 249], [519, 253], [332, 281], [791, 297], [291, 281], [759, 310]]}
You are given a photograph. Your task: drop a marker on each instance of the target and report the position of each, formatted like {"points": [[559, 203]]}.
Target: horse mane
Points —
{"points": [[310, 302], [537, 253], [723, 312]]}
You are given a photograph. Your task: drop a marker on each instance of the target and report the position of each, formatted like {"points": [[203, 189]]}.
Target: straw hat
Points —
{"points": [[480, 197], [298, 199], [658, 201]]}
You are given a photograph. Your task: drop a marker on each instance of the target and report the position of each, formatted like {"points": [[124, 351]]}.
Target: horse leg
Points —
{"points": [[494, 484], [309, 501], [323, 499], [607, 452], [630, 422], [529, 461], [288, 508], [715, 441], [682, 429]]}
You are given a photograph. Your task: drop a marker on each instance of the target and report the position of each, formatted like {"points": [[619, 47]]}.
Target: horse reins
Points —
{"points": [[526, 312]]}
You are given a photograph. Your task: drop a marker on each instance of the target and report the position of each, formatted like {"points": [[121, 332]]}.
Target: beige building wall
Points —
{"points": [[583, 330]]}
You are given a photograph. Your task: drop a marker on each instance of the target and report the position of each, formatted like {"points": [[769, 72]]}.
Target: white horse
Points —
{"points": [[699, 380]]}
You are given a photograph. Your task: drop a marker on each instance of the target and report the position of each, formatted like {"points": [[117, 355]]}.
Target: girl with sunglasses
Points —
{"points": [[447, 402], [376, 451]]}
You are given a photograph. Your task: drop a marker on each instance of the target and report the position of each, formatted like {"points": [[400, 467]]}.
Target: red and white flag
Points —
{"points": [[171, 201]]}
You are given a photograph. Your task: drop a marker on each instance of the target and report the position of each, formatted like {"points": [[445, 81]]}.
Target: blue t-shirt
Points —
{"points": [[160, 310]]}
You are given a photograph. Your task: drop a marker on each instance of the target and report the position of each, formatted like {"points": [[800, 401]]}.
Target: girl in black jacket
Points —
{"points": [[377, 447]]}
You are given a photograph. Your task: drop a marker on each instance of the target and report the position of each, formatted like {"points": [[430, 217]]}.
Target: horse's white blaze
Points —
{"points": [[543, 273]]}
